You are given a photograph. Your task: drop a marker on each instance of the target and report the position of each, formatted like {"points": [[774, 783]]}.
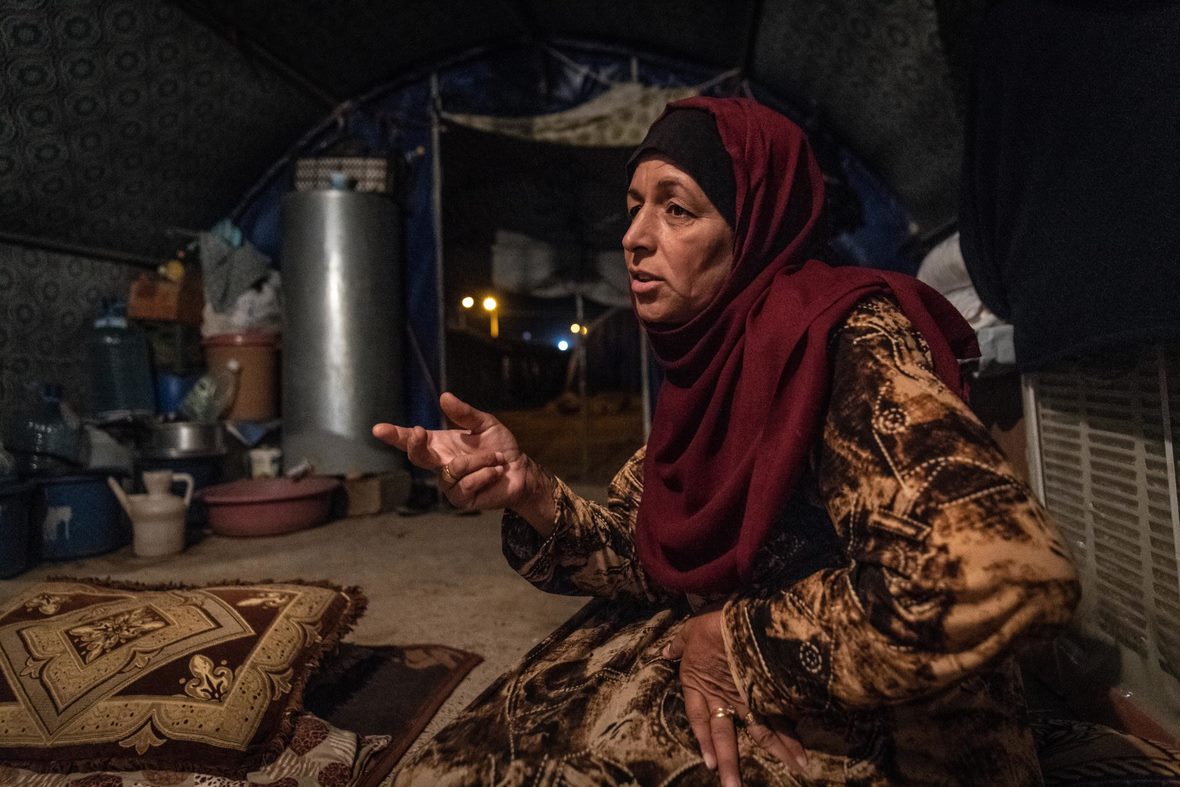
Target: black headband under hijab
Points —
{"points": [[689, 138]]}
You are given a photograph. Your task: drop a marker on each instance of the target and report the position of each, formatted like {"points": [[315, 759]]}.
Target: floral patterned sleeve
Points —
{"points": [[592, 550], [948, 559]]}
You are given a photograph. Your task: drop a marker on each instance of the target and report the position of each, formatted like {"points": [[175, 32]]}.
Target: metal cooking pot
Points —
{"points": [[184, 440]]}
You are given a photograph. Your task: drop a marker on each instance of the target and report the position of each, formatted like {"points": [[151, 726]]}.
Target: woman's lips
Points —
{"points": [[645, 285]]}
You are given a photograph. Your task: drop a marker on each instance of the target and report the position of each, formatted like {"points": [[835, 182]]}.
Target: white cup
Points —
{"points": [[265, 462]]}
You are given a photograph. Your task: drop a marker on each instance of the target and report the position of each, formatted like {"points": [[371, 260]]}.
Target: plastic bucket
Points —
{"points": [[81, 516], [171, 389], [258, 383]]}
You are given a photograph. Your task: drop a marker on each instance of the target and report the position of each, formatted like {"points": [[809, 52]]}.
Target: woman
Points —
{"points": [[815, 570]]}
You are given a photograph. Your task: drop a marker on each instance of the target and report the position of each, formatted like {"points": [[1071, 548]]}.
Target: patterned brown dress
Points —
{"points": [[880, 622]]}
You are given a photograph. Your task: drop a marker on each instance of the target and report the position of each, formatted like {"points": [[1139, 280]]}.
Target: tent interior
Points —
{"points": [[138, 132]]}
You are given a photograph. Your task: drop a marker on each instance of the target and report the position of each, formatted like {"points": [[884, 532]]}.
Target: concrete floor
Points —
{"points": [[433, 578]]}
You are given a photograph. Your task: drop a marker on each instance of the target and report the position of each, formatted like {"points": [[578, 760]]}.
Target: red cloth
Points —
{"points": [[746, 380]]}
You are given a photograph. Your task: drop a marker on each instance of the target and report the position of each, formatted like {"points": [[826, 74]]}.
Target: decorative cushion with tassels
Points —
{"points": [[102, 675]]}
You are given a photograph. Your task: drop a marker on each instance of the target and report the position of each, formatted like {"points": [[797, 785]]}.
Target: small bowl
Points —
{"points": [[268, 506]]}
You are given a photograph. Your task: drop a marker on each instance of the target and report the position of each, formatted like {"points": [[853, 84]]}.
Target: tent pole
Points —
{"points": [[581, 350], [436, 207]]}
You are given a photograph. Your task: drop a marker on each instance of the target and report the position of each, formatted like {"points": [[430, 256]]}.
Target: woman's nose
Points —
{"points": [[638, 236]]}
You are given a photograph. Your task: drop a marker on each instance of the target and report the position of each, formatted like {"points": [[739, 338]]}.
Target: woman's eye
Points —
{"points": [[631, 211], [676, 210]]}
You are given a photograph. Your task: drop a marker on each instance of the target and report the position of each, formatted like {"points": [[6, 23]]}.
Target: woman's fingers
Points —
{"points": [[778, 743], [466, 476], [411, 439], [711, 702], [432, 450], [419, 452], [466, 464], [464, 415], [675, 649], [717, 737], [415, 441], [715, 733], [696, 707], [392, 434], [790, 742], [469, 491], [725, 746]]}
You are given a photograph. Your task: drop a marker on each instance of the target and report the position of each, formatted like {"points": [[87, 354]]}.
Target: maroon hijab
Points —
{"points": [[746, 380]]}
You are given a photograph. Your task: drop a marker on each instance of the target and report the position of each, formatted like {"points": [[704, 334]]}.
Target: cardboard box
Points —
{"points": [[154, 297], [376, 493]]}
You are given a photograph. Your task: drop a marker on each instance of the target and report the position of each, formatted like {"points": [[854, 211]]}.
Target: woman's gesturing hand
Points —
{"points": [[479, 464], [714, 705]]}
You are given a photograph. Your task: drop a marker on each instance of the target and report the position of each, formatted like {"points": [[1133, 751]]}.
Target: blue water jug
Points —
{"points": [[120, 367]]}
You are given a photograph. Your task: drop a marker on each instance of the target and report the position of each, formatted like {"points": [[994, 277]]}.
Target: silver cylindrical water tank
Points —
{"points": [[342, 329]]}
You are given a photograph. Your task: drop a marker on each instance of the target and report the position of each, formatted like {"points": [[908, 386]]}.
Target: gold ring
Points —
{"points": [[446, 473], [724, 712], [749, 719]]}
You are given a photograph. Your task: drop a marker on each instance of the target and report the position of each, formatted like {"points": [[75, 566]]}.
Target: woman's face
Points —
{"points": [[678, 249]]}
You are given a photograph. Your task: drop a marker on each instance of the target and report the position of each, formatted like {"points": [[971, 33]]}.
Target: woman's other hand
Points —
{"points": [[714, 705], [480, 464]]}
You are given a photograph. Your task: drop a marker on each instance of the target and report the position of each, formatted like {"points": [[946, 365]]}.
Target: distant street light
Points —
{"points": [[489, 305], [466, 302], [563, 345], [575, 328]]}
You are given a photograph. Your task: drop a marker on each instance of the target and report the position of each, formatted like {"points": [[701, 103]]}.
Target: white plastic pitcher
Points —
{"points": [[157, 518]]}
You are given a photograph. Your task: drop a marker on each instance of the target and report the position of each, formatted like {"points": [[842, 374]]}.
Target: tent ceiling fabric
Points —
{"points": [[119, 118], [881, 82], [350, 46]]}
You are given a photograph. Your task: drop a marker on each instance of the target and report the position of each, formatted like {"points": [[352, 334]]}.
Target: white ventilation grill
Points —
{"points": [[1106, 440], [370, 174]]}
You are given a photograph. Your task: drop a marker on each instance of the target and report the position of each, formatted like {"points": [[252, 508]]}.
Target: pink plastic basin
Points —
{"points": [[268, 506]]}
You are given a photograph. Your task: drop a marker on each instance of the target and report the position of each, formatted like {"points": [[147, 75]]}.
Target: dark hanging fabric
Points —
{"points": [[1070, 214], [746, 380]]}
